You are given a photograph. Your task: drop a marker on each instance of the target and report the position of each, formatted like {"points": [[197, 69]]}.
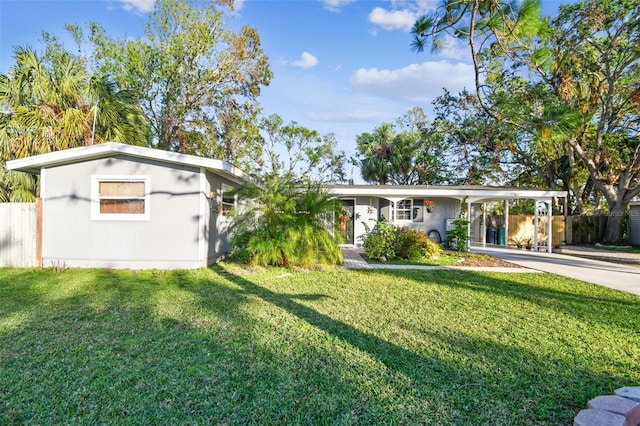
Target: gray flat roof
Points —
{"points": [[34, 163], [475, 193]]}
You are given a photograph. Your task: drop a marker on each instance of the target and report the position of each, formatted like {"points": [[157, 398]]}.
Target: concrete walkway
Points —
{"points": [[613, 275]]}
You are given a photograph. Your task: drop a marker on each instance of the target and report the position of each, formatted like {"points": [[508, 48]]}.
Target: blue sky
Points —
{"points": [[341, 66]]}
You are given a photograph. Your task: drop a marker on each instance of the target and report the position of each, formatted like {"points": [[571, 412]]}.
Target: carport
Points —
{"points": [[371, 202]]}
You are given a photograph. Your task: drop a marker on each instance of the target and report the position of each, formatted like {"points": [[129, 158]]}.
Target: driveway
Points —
{"points": [[608, 274]]}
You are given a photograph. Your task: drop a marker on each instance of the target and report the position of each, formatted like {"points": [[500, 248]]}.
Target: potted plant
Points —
{"points": [[344, 218], [518, 241], [429, 204], [528, 246]]}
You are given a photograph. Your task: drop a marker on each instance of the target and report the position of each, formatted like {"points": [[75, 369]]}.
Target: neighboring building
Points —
{"points": [[634, 223], [122, 206]]}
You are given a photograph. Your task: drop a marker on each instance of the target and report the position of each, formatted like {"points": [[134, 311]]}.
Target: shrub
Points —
{"points": [[433, 249], [394, 242], [381, 241], [374, 246], [413, 244], [457, 238]]}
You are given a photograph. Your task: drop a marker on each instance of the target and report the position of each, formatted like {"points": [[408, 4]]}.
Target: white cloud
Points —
{"points": [[306, 61], [455, 49], [402, 14], [392, 20], [335, 5], [414, 83], [238, 5], [417, 6], [139, 6]]}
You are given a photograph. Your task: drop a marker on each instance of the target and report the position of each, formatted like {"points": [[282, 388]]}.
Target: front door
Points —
{"points": [[348, 228]]}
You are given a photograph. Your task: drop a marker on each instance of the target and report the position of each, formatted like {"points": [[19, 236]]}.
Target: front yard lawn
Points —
{"points": [[335, 347]]}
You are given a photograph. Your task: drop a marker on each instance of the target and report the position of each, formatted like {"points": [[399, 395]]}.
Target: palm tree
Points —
{"points": [[287, 222], [376, 149], [52, 103], [17, 187]]}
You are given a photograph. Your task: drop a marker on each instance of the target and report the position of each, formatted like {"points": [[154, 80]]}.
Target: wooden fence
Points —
{"points": [[521, 227], [581, 229], [20, 234]]}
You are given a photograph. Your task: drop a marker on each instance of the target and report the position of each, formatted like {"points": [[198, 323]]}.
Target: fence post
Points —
{"points": [[39, 219], [568, 230]]}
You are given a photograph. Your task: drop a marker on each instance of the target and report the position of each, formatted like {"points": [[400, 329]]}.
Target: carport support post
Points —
{"points": [[535, 225], [506, 223], [483, 228], [468, 225], [549, 227]]}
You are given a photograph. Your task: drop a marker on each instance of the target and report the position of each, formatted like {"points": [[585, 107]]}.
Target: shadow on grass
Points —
{"points": [[587, 302], [495, 375], [211, 347]]}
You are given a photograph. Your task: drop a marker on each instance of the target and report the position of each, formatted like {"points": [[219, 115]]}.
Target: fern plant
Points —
{"points": [[286, 222]]}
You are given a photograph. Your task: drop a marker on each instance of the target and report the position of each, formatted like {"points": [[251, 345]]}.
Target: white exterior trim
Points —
{"points": [[476, 195], [34, 163], [202, 226], [95, 197], [43, 196]]}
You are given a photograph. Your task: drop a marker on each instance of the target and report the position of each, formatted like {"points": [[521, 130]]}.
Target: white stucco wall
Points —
{"points": [[169, 239], [370, 209]]}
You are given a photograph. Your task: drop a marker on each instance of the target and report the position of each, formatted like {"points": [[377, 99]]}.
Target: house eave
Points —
{"points": [[35, 163], [475, 194]]}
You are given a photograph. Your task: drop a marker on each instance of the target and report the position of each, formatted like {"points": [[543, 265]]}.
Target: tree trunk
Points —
{"points": [[614, 224]]}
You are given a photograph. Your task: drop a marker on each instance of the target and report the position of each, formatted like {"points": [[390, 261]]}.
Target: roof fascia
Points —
{"points": [[34, 163], [480, 194]]}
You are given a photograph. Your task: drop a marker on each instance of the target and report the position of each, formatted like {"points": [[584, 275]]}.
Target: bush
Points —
{"points": [[374, 246], [413, 244], [381, 241], [457, 238], [395, 242], [433, 249]]}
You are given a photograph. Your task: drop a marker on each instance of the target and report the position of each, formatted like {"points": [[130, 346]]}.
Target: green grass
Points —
{"points": [[332, 347]]}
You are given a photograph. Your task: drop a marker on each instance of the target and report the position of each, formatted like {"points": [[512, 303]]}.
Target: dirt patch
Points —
{"points": [[485, 261]]}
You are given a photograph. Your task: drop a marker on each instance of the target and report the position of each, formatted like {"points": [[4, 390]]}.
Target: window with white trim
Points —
{"points": [[120, 197], [403, 210], [228, 199]]}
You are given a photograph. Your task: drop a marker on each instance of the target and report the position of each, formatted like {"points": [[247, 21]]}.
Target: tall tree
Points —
{"points": [[296, 151], [580, 103], [197, 80], [490, 27], [403, 153], [55, 103], [480, 148], [51, 102], [592, 64]]}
